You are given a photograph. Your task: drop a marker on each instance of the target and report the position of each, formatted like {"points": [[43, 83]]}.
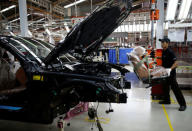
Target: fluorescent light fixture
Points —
{"points": [[48, 32], [130, 28], [39, 14], [29, 33], [184, 9], [122, 28], [12, 34], [166, 26], [36, 21], [17, 19], [119, 29], [126, 28], [14, 20], [54, 28], [74, 3], [66, 27], [36, 29], [171, 9], [8, 8]]}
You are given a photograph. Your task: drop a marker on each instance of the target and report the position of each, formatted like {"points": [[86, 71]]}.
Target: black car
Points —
{"points": [[39, 82]]}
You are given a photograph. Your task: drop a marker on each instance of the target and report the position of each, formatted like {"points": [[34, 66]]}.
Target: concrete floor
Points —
{"points": [[139, 114]]}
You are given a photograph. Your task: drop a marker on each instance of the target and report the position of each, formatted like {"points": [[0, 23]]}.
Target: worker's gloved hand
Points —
{"points": [[168, 71]]}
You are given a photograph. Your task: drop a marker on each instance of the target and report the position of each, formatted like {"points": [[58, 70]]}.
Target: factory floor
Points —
{"points": [[139, 114]]}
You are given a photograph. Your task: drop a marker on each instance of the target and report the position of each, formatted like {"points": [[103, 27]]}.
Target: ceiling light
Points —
{"points": [[36, 29], [122, 28], [171, 9], [74, 3], [8, 8], [184, 9], [66, 27], [126, 28], [17, 19], [29, 33], [12, 34], [36, 21], [39, 14], [14, 20], [48, 32]]}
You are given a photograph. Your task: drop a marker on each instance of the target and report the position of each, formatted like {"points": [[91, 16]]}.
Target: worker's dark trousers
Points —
{"points": [[171, 81]]}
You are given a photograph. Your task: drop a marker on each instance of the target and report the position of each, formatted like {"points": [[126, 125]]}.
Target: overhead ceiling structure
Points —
{"points": [[38, 9], [184, 9], [171, 9], [58, 16], [179, 10]]}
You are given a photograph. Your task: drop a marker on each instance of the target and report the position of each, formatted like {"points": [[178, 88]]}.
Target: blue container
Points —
{"points": [[112, 56], [123, 55]]}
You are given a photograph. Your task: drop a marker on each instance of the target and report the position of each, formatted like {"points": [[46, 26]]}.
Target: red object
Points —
{"points": [[156, 14], [152, 15], [60, 125], [152, 1], [157, 92], [158, 53], [180, 50], [77, 110]]}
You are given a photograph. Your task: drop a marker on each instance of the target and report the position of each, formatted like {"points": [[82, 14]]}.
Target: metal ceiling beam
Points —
{"points": [[46, 4], [180, 25], [140, 2], [13, 16], [141, 11], [5, 4], [40, 10], [119, 34], [135, 2], [59, 9], [58, 2], [44, 12]]}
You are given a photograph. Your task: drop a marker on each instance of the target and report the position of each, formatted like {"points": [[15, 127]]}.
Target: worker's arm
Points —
{"points": [[174, 65]]}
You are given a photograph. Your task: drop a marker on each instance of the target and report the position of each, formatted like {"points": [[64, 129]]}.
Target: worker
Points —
{"points": [[169, 61]]}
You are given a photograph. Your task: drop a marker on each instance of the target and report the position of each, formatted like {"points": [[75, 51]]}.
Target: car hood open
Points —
{"points": [[87, 36]]}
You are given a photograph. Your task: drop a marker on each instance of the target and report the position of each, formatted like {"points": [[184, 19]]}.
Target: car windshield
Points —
{"points": [[39, 49], [64, 57], [48, 45]]}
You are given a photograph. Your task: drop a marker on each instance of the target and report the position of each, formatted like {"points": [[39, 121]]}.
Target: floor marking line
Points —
{"points": [[172, 100], [101, 119], [168, 120]]}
